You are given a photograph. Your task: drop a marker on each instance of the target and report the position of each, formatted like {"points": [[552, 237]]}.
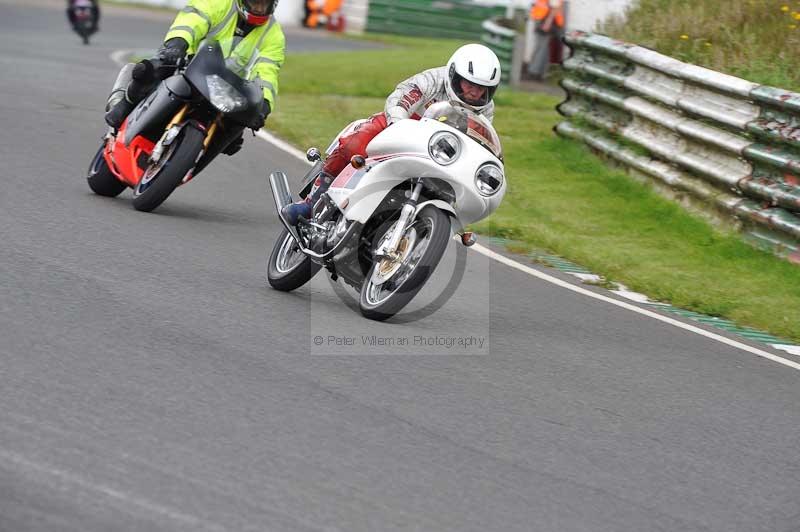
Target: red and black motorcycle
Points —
{"points": [[174, 133]]}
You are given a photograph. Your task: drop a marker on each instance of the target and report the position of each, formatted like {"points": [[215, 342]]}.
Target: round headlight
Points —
{"points": [[489, 179], [444, 147]]}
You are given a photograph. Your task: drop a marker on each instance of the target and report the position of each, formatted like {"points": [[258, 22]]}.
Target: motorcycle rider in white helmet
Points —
{"points": [[469, 79]]}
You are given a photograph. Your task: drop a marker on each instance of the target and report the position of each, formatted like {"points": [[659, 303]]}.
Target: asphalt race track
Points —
{"points": [[150, 380]]}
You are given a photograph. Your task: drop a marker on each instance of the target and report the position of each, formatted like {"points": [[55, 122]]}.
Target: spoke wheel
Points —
{"points": [[393, 283], [289, 268]]}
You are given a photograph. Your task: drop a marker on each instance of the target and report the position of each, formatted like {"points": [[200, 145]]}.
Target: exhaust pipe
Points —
{"points": [[282, 196], [280, 193], [280, 190]]}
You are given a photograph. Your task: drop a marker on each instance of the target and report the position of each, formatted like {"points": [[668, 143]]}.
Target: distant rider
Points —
{"points": [[469, 79], [95, 9]]}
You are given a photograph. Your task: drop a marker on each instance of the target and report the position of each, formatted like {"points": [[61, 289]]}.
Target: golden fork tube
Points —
{"points": [[178, 116], [210, 135]]}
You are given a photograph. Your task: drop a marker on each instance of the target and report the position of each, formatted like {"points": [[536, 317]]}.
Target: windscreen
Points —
{"points": [[475, 126]]}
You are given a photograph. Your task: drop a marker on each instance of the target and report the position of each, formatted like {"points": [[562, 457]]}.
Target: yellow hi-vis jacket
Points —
{"points": [[261, 53]]}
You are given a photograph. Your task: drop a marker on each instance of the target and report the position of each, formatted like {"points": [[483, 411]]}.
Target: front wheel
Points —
{"points": [[391, 285], [100, 178], [288, 267], [161, 178]]}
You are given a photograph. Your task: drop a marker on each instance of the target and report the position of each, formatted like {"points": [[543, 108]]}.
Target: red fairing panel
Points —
{"points": [[124, 160]]}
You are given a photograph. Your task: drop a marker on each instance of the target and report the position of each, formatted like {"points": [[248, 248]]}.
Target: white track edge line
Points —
{"points": [[282, 145], [580, 290], [118, 56]]}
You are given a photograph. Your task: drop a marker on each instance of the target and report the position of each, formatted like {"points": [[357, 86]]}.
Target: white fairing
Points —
{"points": [[400, 153]]}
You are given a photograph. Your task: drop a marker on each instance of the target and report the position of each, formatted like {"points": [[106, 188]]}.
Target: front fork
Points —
{"points": [[171, 132], [211, 132], [389, 249]]}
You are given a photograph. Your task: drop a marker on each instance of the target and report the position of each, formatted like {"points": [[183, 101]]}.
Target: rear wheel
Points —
{"points": [[391, 285], [160, 179], [84, 30], [100, 178], [288, 267]]}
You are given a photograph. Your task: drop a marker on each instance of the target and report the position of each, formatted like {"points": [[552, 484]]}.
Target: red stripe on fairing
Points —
{"points": [[381, 158], [347, 174], [344, 176]]}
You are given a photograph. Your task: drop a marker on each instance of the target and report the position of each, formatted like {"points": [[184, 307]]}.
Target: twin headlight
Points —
{"points": [[224, 96], [445, 147], [489, 179]]}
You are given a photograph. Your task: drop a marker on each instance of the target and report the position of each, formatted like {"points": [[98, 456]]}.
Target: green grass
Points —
{"points": [[758, 40], [561, 198]]}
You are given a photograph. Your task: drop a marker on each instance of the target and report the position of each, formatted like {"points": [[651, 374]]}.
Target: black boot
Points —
{"points": [[117, 114], [143, 80], [303, 208]]}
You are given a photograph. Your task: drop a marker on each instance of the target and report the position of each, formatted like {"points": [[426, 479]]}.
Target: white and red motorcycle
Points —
{"points": [[384, 223]]}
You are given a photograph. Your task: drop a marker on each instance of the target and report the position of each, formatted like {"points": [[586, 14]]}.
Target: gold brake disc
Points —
{"points": [[387, 265]]}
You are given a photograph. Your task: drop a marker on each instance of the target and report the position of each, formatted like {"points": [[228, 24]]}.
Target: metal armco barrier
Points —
{"points": [[732, 145], [456, 19]]}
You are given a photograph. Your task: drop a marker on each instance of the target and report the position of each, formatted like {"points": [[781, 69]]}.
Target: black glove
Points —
{"points": [[144, 79], [144, 71], [172, 52], [256, 119]]}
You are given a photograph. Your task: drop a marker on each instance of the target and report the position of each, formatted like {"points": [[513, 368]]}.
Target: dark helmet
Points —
{"points": [[256, 12]]}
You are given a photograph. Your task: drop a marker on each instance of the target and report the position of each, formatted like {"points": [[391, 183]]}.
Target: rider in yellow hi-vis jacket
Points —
{"points": [[259, 43]]}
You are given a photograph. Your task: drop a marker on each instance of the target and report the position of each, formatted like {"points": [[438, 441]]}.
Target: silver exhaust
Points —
{"points": [[280, 190], [280, 193]]}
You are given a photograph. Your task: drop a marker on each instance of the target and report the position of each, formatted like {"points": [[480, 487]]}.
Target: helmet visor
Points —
{"points": [[472, 93], [258, 7]]}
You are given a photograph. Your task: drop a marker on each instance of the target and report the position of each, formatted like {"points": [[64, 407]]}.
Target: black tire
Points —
{"points": [[401, 294], [179, 159], [285, 278], [100, 178]]}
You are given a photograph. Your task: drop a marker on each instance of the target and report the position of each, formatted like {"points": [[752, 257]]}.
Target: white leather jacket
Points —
{"points": [[414, 95]]}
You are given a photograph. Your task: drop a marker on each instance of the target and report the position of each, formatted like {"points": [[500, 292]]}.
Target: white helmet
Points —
{"points": [[477, 64]]}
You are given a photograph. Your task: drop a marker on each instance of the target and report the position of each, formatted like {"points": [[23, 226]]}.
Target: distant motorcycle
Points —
{"points": [[384, 223], [82, 15], [178, 129]]}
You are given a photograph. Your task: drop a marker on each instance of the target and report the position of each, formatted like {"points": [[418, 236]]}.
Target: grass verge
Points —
{"points": [[560, 198], [758, 40]]}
